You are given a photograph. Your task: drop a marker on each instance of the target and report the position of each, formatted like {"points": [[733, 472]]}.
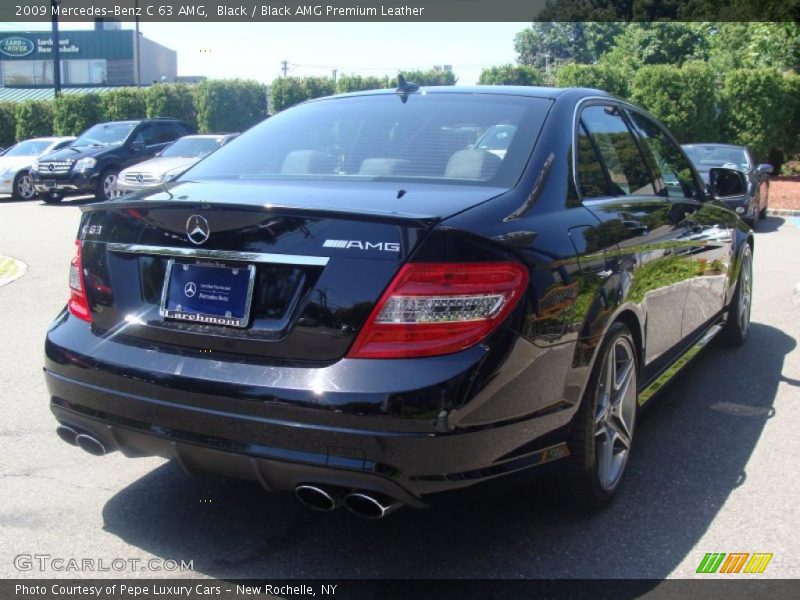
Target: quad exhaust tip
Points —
{"points": [[315, 497], [369, 506], [68, 434], [90, 444]]}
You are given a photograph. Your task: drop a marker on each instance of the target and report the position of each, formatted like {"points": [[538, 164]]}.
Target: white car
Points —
{"points": [[170, 162], [16, 162]]}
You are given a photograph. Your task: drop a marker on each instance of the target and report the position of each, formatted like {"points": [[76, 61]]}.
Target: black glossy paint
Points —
{"points": [[278, 401]]}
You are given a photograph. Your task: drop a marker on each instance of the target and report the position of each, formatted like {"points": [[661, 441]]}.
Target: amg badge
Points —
{"points": [[361, 245]]}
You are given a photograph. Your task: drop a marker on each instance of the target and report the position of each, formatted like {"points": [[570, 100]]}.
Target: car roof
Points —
{"points": [[501, 90]]}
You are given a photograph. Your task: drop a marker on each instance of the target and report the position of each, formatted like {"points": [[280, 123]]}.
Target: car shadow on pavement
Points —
{"points": [[67, 202], [769, 225], [691, 451]]}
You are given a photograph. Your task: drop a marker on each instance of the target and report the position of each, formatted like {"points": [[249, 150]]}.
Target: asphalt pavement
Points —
{"points": [[714, 468]]}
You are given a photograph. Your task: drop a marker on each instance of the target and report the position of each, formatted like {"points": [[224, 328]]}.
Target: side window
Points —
{"points": [[592, 177], [164, 133], [675, 179], [625, 170]]}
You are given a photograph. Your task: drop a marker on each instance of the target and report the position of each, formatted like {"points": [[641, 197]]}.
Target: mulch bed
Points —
{"points": [[784, 193]]}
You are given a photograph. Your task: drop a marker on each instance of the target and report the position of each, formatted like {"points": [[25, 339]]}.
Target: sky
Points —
{"points": [[255, 50]]}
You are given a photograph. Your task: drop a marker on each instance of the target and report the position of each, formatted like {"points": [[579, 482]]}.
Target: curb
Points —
{"points": [[18, 269], [783, 212]]}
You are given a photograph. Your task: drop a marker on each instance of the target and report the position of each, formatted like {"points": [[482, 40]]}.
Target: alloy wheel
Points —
{"points": [[25, 189], [746, 292], [109, 186], [616, 413]]}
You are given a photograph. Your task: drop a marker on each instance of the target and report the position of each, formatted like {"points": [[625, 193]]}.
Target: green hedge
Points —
{"points": [[357, 83], [8, 124], [34, 119], [228, 106], [682, 97], [124, 104], [288, 91], [511, 75], [174, 100], [73, 113], [756, 111], [602, 77]]}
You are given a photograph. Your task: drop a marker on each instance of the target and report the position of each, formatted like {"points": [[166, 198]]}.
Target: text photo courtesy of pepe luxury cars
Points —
{"points": [[280, 290]]}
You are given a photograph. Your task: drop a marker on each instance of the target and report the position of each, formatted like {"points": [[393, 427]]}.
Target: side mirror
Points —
{"points": [[726, 183], [765, 169]]}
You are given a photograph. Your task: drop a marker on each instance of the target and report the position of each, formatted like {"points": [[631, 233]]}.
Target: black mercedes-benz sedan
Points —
{"points": [[356, 301], [752, 205]]}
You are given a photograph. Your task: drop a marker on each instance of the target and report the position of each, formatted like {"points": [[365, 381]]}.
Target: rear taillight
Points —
{"points": [[78, 304], [440, 308]]}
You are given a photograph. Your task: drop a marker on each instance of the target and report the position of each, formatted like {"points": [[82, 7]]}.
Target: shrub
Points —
{"points": [[288, 91], [73, 113], [124, 104], [429, 77], [511, 75], [34, 119], [683, 98], [756, 111], [602, 77], [357, 83], [8, 124], [230, 105], [171, 100]]}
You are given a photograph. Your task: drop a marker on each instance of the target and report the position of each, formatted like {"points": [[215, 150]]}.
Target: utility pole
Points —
{"points": [[138, 48], [284, 67], [56, 48]]}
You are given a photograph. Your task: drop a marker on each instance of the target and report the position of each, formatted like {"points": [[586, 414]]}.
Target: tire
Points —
{"points": [[602, 431], [734, 331], [106, 186], [762, 214], [753, 223], [23, 186]]}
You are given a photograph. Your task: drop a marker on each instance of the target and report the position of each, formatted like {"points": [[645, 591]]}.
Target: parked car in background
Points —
{"points": [[16, 163], [750, 206], [91, 164], [496, 139], [170, 162], [348, 303]]}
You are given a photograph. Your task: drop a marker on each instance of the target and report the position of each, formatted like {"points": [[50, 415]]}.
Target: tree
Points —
{"points": [[511, 75], [543, 43], [229, 105], [124, 103], [429, 77], [75, 113], [753, 45], [8, 124], [602, 77], [756, 111], [34, 119], [643, 44], [682, 97], [171, 100], [288, 91], [357, 83]]}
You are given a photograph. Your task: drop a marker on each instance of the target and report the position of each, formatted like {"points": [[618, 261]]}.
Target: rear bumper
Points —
{"points": [[224, 426]]}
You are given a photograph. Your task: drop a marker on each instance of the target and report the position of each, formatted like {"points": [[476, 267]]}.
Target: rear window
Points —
{"points": [[432, 136]]}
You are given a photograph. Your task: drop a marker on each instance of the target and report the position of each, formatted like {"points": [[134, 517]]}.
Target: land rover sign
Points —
{"points": [[16, 46]]}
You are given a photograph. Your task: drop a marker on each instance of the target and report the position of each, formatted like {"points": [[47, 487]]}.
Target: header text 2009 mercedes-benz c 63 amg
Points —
{"points": [[376, 298]]}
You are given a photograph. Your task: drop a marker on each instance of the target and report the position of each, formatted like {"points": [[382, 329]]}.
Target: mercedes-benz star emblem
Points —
{"points": [[139, 177], [190, 289], [50, 167], [197, 229]]}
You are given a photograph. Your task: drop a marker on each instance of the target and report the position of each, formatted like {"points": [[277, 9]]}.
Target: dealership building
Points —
{"points": [[103, 57]]}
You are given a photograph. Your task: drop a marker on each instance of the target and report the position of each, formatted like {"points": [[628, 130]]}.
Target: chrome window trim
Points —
{"points": [[224, 255]]}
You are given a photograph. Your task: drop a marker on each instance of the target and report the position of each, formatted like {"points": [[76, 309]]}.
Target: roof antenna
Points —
{"points": [[404, 88]]}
